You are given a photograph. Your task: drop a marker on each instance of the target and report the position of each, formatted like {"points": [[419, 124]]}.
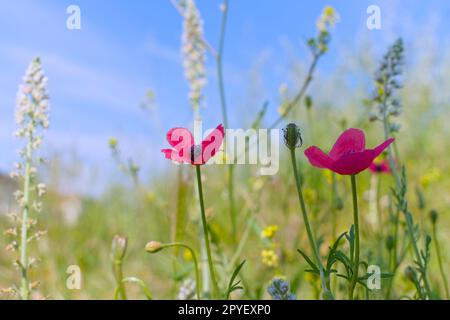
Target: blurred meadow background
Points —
{"points": [[118, 84]]}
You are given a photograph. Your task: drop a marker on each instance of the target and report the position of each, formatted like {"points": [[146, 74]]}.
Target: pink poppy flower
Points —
{"points": [[348, 155], [184, 150], [381, 166]]}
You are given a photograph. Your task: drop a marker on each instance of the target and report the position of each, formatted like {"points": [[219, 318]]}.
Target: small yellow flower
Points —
{"points": [[310, 195], [269, 258], [187, 255], [269, 231], [112, 142], [258, 183], [327, 19], [329, 176], [309, 277], [430, 177]]}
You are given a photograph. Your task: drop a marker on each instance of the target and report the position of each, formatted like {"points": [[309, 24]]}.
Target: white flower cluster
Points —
{"points": [[194, 53], [32, 118]]}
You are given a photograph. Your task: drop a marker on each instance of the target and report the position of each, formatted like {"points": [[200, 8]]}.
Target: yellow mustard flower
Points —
{"points": [[327, 19], [310, 195], [187, 255], [269, 258], [329, 176], [430, 177], [269, 231]]}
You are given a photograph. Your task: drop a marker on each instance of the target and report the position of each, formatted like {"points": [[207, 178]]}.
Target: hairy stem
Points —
{"points": [[309, 231], [24, 283], [223, 105], [194, 259], [118, 274], [354, 279], [205, 233], [439, 258]]}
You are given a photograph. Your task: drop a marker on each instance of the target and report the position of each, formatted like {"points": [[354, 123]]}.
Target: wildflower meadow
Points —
{"points": [[224, 150]]}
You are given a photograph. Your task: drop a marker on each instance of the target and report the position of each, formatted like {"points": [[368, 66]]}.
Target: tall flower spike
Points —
{"points": [[32, 119], [194, 53], [387, 82]]}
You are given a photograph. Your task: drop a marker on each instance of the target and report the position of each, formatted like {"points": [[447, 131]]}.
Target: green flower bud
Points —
{"points": [[292, 136], [308, 102], [434, 216], [390, 243], [410, 273], [153, 246], [119, 247]]}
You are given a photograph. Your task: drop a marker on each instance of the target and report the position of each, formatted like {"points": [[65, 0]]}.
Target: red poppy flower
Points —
{"points": [[348, 155], [184, 150], [381, 166]]}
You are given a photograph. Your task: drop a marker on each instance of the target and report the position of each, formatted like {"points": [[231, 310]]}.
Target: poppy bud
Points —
{"points": [[292, 136], [119, 247], [308, 102], [339, 203], [434, 216], [153, 247], [390, 243], [410, 273]]}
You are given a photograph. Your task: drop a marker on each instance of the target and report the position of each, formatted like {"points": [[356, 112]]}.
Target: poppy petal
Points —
{"points": [[354, 163], [378, 150], [167, 153], [176, 155], [318, 158], [179, 137], [211, 144], [351, 140]]}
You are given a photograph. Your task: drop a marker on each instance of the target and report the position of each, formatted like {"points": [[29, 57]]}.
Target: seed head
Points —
{"points": [[292, 136]]}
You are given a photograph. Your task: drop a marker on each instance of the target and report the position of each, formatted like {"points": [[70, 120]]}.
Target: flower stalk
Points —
{"points": [[32, 119], [153, 247], [118, 251], [205, 233], [354, 279], [434, 217], [309, 231], [223, 105]]}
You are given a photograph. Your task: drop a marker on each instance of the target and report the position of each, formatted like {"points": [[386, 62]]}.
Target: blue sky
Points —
{"points": [[99, 75]]}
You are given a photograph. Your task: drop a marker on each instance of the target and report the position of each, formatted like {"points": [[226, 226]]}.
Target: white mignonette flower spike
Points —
{"points": [[194, 53]]}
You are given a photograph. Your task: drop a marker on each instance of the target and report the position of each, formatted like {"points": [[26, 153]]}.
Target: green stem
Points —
{"points": [[205, 233], [194, 258], [309, 231], [333, 206], [25, 287], [439, 257], [354, 279], [223, 105], [118, 273], [394, 259], [302, 91]]}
